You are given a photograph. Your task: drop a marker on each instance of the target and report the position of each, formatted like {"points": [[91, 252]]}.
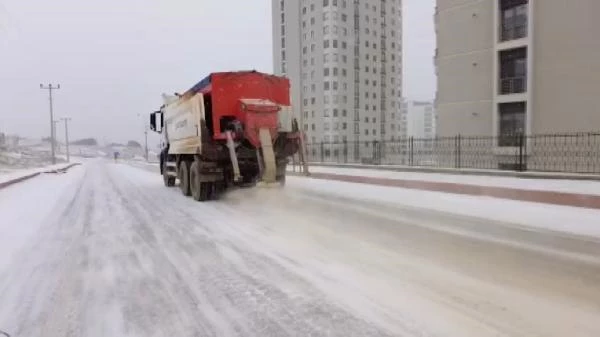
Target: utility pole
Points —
{"points": [[66, 120], [57, 146], [146, 142], [50, 87]]}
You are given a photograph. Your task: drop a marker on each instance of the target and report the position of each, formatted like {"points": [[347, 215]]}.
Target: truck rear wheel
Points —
{"points": [[184, 177], [201, 191], [167, 179]]}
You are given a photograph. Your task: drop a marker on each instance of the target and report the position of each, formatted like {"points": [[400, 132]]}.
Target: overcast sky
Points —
{"points": [[113, 58]]}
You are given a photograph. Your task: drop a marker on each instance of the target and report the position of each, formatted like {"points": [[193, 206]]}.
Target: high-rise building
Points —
{"points": [[419, 119], [509, 67], [344, 59]]}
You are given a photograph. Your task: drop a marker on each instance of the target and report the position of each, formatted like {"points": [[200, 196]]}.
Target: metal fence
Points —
{"points": [[573, 153]]}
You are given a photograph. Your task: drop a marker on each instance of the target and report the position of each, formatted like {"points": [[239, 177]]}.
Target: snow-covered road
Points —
{"points": [[106, 250]]}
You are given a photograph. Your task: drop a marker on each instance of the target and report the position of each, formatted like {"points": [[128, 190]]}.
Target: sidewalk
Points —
{"points": [[585, 194], [21, 175]]}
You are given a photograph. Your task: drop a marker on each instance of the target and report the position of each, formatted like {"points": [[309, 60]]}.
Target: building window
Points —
{"points": [[344, 18], [335, 112], [326, 44], [513, 71], [514, 19], [512, 123], [325, 3], [313, 127], [344, 72], [335, 43], [303, 10], [326, 85], [344, 45], [344, 113]]}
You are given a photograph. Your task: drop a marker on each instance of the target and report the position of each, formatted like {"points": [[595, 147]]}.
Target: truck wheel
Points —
{"points": [[167, 179], [184, 177], [199, 189]]}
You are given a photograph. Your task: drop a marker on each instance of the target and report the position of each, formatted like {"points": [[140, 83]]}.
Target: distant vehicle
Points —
{"points": [[230, 129]]}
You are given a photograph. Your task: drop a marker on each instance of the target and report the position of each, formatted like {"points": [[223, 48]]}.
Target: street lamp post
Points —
{"points": [[57, 146], [50, 87], [145, 138], [66, 120]]}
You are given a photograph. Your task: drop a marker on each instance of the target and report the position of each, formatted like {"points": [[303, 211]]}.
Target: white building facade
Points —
{"points": [[419, 119], [344, 60]]}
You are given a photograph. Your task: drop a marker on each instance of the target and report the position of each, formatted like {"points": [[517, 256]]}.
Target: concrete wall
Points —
{"points": [[464, 63], [566, 64]]}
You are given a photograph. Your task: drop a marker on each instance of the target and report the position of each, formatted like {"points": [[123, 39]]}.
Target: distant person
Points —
{"points": [[116, 155]]}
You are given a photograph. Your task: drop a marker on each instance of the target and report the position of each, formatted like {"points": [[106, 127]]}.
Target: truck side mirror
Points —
{"points": [[156, 121]]}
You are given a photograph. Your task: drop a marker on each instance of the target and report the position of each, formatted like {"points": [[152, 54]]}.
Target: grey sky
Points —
{"points": [[113, 58]]}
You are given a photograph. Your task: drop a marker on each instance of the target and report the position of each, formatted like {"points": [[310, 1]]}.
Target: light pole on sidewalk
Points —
{"points": [[145, 138], [67, 120], [50, 87], [57, 147]]}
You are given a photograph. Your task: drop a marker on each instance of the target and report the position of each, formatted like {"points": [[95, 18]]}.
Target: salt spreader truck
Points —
{"points": [[230, 129]]}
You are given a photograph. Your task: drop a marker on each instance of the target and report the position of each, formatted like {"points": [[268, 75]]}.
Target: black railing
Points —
{"points": [[513, 85], [573, 153], [513, 32]]}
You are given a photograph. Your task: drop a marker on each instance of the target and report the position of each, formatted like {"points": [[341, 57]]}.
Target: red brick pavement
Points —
{"points": [[546, 197]]}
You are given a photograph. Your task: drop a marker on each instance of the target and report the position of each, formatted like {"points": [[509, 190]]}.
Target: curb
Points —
{"points": [[475, 172], [538, 196], [33, 175]]}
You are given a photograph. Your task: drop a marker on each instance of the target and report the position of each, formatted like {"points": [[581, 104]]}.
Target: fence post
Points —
{"points": [[345, 152], [374, 152], [411, 147], [521, 153], [458, 149], [322, 152]]}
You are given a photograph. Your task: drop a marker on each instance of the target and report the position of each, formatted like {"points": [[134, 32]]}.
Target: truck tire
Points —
{"points": [[281, 180], [184, 177], [200, 190], [167, 179]]}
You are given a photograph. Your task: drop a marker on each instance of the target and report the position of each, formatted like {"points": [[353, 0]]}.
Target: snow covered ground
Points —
{"points": [[569, 186], [110, 251]]}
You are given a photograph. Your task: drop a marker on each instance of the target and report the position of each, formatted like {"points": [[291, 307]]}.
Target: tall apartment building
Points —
{"points": [[344, 59], [510, 67], [419, 119]]}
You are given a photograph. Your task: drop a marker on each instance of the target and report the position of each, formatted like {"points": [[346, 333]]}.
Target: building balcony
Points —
{"points": [[508, 33], [513, 85]]}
